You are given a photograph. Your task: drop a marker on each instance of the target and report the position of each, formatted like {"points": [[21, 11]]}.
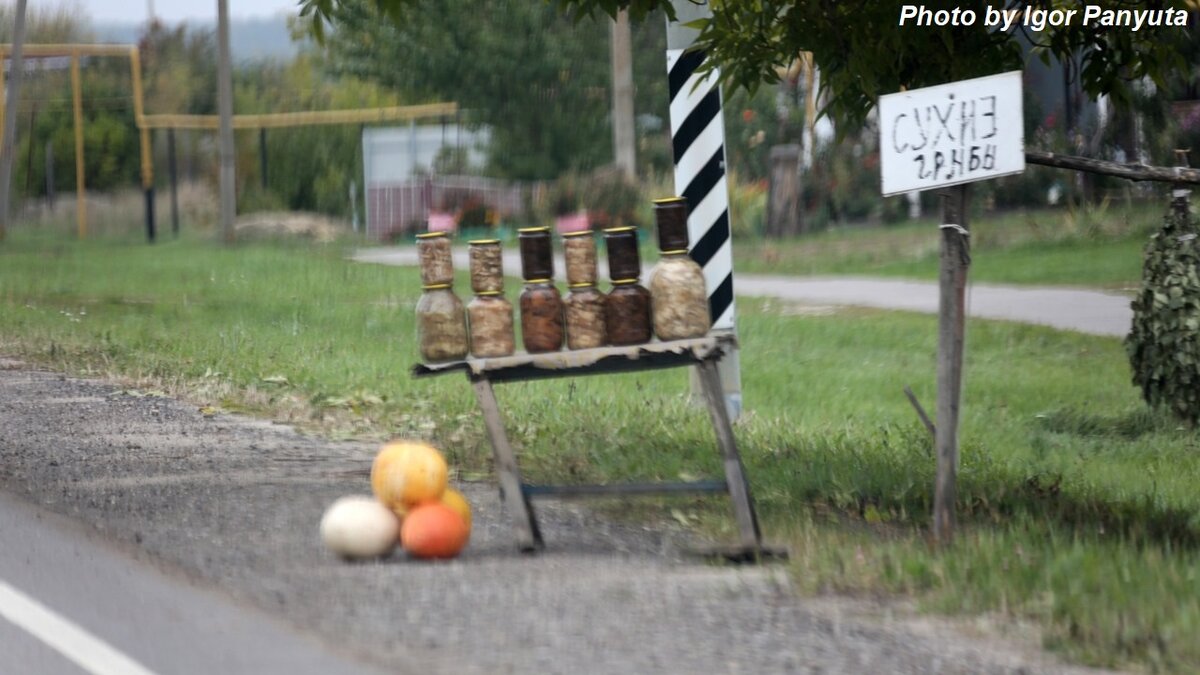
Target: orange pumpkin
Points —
{"points": [[434, 530], [407, 473]]}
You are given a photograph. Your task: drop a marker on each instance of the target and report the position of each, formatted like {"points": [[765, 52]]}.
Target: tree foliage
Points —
{"points": [[531, 75], [309, 168], [45, 116], [863, 52]]}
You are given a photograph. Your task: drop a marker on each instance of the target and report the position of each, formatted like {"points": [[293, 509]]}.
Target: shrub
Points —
{"points": [[1164, 343], [611, 199]]}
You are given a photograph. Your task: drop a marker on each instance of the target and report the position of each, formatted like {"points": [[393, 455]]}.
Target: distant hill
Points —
{"points": [[250, 39]]}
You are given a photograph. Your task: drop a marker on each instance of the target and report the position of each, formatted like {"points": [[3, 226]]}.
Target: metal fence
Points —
{"points": [[401, 207]]}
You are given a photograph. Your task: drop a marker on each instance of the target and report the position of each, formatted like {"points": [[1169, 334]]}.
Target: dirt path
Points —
{"points": [[234, 503]]}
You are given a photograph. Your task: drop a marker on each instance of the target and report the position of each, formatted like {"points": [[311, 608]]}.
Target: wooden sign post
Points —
{"points": [[946, 137]]}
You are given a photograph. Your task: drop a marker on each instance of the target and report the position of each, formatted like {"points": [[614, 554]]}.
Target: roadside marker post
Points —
{"points": [[698, 144]]}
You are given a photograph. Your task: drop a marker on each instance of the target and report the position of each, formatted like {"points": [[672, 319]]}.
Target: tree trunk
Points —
{"points": [[228, 188], [624, 144], [783, 197]]}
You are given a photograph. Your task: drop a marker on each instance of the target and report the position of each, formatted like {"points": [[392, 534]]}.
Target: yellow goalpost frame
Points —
{"points": [[75, 51], [145, 123]]}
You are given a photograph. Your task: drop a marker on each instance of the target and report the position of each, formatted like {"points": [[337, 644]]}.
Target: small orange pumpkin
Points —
{"points": [[434, 530]]}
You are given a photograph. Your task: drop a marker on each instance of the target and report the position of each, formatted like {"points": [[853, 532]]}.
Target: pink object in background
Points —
{"points": [[441, 222], [573, 222]]}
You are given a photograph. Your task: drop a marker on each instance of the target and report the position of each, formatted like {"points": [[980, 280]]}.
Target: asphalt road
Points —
{"points": [[73, 602], [1076, 309]]}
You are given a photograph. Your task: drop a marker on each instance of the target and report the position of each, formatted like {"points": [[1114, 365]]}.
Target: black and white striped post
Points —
{"points": [[698, 142]]}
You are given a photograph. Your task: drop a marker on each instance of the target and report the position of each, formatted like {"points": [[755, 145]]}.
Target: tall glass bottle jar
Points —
{"points": [[441, 324], [584, 304], [627, 312], [677, 291], [489, 313], [541, 304]]}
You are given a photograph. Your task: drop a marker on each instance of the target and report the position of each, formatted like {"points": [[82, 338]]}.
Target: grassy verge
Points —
{"points": [[1099, 246], [1079, 507]]}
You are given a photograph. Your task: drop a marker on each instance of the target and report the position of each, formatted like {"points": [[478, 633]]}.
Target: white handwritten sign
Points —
{"points": [[952, 133]]}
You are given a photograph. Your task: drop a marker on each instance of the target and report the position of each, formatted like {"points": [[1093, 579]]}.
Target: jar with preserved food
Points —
{"points": [[491, 324], [541, 317], [627, 313], [624, 262], [437, 265], [537, 255], [586, 326], [579, 251], [678, 295], [441, 324], [541, 304], [487, 265]]}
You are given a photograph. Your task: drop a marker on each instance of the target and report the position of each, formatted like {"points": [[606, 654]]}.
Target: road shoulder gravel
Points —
{"points": [[233, 503]]}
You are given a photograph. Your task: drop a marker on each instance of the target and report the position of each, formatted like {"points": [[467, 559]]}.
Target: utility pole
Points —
{"points": [[12, 97], [225, 110], [624, 142]]}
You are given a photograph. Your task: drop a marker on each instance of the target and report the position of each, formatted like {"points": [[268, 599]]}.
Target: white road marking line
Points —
{"points": [[86, 650]]}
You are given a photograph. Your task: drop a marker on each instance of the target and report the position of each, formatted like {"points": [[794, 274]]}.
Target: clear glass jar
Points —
{"points": [[579, 252], [627, 313], [437, 264], [541, 317], [679, 300], [441, 324], [487, 265], [586, 320], [491, 324]]}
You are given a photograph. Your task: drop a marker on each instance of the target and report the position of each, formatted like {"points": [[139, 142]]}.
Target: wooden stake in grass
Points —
{"points": [[952, 283], [912, 398]]}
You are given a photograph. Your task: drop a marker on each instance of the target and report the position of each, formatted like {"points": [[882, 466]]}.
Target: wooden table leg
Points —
{"points": [[529, 538], [735, 473]]}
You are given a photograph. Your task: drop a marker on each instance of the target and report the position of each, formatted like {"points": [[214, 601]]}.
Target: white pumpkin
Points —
{"points": [[357, 526]]}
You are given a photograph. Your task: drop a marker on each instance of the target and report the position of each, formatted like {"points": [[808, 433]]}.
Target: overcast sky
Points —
{"points": [[170, 11]]}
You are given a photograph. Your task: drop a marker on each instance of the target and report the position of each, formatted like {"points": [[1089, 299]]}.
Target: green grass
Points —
{"points": [[1097, 246], [1079, 508]]}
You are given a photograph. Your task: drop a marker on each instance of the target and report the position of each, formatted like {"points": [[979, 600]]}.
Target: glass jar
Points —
{"points": [[441, 324], [491, 323], [670, 220], [437, 264], [537, 255], [679, 299], [585, 313], [627, 313], [541, 317], [579, 251], [624, 262], [487, 265]]}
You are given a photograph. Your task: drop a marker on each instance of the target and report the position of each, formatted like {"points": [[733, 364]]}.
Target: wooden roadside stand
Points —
{"points": [[702, 353]]}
